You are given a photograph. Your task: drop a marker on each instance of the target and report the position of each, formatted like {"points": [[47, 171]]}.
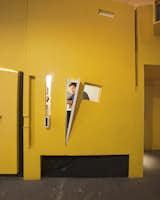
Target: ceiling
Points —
{"points": [[136, 2]]}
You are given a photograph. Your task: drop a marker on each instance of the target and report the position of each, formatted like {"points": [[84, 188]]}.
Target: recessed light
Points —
{"points": [[106, 13]]}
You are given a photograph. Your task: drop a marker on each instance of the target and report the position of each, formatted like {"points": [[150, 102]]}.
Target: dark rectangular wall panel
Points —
{"points": [[85, 166]]}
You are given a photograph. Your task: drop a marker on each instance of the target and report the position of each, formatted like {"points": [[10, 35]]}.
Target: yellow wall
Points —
{"points": [[8, 122], [12, 22], [69, 39], [148, 55], [148, 42]]}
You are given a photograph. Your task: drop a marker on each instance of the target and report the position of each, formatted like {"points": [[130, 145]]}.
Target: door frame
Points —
{"points": [[20, 124]]}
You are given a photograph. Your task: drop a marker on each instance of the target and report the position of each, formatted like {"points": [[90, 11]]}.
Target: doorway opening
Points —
{"points": [[151, 119]]}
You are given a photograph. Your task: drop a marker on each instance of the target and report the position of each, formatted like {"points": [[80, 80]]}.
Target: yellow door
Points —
{"points": [[8, 122]]}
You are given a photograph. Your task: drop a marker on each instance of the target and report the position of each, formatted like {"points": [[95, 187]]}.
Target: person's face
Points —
{"points": [[72, 89]]}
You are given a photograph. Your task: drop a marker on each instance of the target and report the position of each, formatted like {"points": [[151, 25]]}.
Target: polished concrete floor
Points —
{"points": [[147, 188]]}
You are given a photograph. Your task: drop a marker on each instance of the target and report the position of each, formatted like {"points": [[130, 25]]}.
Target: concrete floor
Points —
{"points": [[147, 188]]}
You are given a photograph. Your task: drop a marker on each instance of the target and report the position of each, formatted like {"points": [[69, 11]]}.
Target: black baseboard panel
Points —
{"points": [[85, 166]]}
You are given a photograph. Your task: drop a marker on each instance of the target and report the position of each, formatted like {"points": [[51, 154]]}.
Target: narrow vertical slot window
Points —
{"points": [[47, 120]]}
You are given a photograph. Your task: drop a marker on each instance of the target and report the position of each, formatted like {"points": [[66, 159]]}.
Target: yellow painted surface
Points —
{"points": [[148, 120], [69, 39], [31, 156], [148, 56], [77, 43], [12, 48], [148, 42], [8, 122]]}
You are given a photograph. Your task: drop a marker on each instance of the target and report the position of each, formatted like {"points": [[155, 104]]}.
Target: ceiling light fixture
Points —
{"points": [[106, 13]]}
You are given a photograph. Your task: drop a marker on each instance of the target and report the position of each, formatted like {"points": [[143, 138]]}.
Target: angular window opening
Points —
{"points": [[72, 90], [73, 87], [93, 92]]}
